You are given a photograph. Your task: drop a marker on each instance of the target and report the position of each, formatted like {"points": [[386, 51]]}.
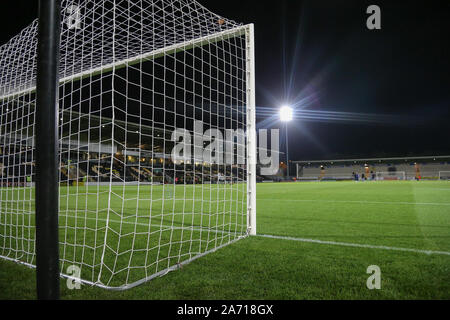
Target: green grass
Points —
{"points": [[410, 214], [146, 229]]}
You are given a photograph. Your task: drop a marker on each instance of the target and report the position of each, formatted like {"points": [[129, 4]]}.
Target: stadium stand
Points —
{"points": [[344, 169]]}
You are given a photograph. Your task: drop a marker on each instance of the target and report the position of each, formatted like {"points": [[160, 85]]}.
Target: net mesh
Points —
{"points": [[137, 78], [391, 175], [444, 175]]}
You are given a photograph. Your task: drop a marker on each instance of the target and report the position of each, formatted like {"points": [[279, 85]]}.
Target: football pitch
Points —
{"points": [[315, 241]]}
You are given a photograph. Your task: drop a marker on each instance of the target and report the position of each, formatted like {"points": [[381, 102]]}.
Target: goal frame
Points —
{"points": [[251, 142], [439, 176], [387, 173]]}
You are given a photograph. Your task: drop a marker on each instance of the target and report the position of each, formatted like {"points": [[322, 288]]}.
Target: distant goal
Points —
{"points": [[444, 175], [391, 175]]}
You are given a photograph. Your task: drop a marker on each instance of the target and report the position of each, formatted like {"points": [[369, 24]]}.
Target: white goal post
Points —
{"points": [[137, 80], [444, 175], [391, 175]]}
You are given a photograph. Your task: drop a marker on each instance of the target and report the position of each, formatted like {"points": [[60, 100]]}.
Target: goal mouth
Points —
{"points": [[444, 175], [136, 82], [390, 175]]}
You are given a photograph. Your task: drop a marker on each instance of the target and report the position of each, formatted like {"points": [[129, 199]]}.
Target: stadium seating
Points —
{"points": [[428, 170]]}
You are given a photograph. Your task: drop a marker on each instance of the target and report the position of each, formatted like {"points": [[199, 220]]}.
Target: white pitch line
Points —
{"points": [[360, 202], [358, 245], [346, 244]]}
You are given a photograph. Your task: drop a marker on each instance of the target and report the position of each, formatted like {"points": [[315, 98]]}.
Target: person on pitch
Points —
{"points": [[322, 173], [366, 171], [417, 168]]}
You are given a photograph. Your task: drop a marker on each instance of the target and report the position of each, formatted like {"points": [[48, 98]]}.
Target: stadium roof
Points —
{"points": [[375, 159]]}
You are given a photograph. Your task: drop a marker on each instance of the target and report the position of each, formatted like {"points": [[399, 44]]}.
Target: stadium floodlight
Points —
{"points": [[129, 212], [286, 114]]}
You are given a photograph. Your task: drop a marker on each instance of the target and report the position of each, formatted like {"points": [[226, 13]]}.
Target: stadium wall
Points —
{"points": [[428, 169]]}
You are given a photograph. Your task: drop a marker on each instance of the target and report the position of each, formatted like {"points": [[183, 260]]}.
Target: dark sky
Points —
{"points": [[374, 93], [321, 54]]}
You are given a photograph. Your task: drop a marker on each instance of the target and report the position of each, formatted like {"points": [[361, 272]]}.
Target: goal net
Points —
{"points": [[156, 138], [391, 175], [444, 175]]}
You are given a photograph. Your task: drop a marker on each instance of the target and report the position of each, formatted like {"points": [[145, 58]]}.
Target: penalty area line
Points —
{"points": [[357, 245]]}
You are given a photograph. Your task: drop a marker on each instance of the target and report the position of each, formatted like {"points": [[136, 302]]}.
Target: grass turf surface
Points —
{"points": [[404, 214]]}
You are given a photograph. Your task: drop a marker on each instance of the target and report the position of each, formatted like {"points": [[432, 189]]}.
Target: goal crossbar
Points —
{"points": [[155, 54]]}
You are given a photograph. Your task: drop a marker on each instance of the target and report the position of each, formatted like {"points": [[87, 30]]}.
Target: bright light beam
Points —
{"points": [[286, 114]]}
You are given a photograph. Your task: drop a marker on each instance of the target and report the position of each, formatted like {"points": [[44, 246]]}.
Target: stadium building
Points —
{"points": [[395, 168]]}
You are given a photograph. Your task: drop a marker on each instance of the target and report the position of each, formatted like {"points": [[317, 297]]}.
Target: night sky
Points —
{"points": [[373, 93], [320, 56]]}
